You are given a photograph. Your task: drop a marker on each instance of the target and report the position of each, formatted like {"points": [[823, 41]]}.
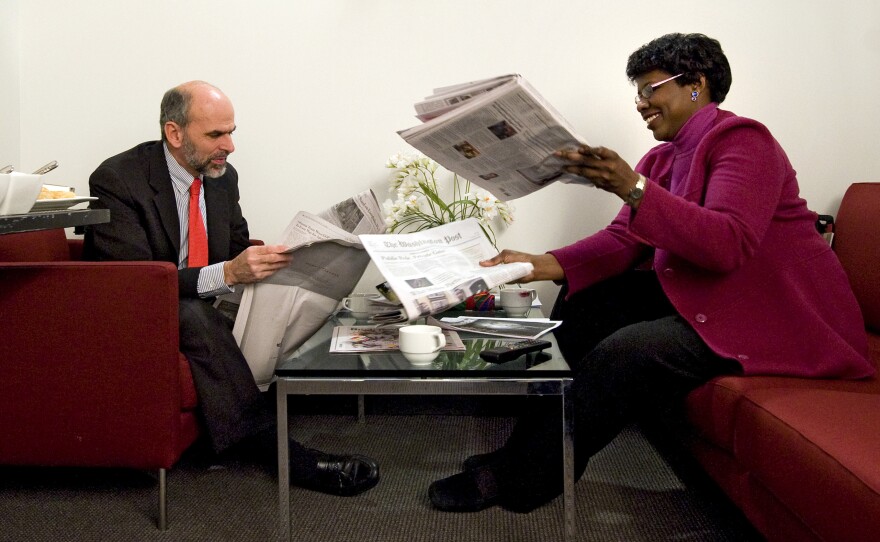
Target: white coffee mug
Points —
{"points": [[517, 301], [421, 344]]}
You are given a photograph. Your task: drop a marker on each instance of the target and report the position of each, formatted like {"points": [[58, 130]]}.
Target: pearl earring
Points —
{"points": [[694, 95]]}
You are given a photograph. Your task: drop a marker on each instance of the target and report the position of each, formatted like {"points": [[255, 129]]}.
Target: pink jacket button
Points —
{"points": [[701, 318]]}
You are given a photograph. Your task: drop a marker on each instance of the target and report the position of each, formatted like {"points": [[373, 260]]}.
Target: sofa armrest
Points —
{"points": [[89, 363]]}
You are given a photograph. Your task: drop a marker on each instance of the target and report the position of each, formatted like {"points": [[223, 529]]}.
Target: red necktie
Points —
{"points": [[198, 238]]}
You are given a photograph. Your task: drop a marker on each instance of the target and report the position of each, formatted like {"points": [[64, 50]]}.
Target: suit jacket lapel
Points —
{"points": [[218, 220], [164, 200]]}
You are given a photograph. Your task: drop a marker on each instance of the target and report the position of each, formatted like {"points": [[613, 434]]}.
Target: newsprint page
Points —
{"points": [[498, 133], [276, 316], [433, 270]]}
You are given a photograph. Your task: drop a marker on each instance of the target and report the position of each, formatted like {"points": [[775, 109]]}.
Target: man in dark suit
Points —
{"points": [[159, 211]]}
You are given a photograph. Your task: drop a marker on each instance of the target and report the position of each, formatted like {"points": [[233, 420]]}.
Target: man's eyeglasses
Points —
{"points": [[648, 90]]}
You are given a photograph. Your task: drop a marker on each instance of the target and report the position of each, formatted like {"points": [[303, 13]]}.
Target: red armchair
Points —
{"points": [[800, 456], [90, 372]]}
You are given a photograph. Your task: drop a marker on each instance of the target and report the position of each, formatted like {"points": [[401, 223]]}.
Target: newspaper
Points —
{"points": [[498, 133], [519, 328], [433, 270], [276, 316]]}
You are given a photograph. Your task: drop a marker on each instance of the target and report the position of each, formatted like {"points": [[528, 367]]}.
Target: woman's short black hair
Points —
{"points": [[689, 54]]}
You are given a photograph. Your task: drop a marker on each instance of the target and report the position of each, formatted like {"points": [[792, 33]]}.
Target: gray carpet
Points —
{"points": [[628, 494]]}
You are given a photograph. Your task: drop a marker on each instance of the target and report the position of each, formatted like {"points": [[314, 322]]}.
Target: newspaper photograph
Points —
{"points": [[276, 316], [365, 339], [433, 270], [498, 133]]}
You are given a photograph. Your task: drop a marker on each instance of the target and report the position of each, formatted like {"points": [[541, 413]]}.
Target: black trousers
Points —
{"points": [[632, 356], [232, 407]]}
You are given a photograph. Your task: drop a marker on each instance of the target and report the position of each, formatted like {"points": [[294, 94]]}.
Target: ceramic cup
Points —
{"points": [[517, 301], [421, 344], [358, 305]]}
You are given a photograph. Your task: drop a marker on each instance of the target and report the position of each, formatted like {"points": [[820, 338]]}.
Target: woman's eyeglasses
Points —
{"points": [[648, 90]]}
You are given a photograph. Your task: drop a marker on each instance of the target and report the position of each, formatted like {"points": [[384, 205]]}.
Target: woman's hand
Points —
{"points": [[255, 263], [546, 265], [602, 167]]}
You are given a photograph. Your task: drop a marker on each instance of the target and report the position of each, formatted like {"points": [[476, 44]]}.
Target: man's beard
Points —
{"points": [[203, 165]]}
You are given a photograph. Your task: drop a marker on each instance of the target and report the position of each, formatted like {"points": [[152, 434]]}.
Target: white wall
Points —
{"points": [[9, 86], [321, 87]]}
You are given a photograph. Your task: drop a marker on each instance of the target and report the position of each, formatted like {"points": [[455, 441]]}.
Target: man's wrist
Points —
{"points": [[228, 276]]}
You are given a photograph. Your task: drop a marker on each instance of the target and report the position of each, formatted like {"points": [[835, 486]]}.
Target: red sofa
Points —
{"points": [[801, 457], [90, 372]]}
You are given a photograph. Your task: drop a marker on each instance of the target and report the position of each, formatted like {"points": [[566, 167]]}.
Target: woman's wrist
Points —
{"points": [[547, 267]]}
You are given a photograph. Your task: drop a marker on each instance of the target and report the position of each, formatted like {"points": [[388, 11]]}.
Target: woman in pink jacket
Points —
{"points": [[713, 266]]}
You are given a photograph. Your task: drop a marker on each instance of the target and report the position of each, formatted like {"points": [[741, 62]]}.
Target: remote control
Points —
{"points": [[511, 351]]}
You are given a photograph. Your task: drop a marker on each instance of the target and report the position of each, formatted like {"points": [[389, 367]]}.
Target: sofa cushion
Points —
{"points": [[712, 408], [817, 451]]}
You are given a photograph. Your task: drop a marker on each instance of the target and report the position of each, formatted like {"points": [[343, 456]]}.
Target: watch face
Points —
{"points": [[636, 193]]}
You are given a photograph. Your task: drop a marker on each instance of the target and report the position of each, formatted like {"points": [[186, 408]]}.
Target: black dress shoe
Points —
{"points": [[469, 491], [482, 460], [342, 475]]}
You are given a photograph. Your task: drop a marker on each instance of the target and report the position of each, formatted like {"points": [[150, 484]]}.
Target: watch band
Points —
{"points": [[636, 193]]}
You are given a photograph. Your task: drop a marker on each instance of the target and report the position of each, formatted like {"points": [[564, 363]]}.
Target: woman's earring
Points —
{"points": [[694, 95]]}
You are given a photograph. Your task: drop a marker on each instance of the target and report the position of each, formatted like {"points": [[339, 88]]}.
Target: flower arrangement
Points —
{"points": [[423, 202]]}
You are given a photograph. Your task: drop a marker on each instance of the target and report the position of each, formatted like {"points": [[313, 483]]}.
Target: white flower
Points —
{"points": [[418, 190], [411, 202]]}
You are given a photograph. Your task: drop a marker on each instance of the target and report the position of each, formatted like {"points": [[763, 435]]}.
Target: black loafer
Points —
{"points": [[482, 460], [342, 475], [469, 491]]}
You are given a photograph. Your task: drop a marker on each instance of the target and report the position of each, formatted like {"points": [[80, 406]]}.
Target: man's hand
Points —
{"points": [[255, 264], [546, 265]]}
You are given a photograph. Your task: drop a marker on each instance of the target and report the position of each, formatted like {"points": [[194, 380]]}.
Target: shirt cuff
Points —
{"points": [[211, 281]]}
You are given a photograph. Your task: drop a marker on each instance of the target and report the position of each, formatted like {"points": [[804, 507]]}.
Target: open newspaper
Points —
{"points": [[498, 133], [434, 270], [276, 316]]}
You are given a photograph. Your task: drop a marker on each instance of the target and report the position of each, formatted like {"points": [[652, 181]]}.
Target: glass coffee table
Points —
{"points": [[313, 370]]}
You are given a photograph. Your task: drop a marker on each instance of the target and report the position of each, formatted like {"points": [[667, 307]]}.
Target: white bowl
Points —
{"points": [[4, 186], [21, 194], [419, 358]]}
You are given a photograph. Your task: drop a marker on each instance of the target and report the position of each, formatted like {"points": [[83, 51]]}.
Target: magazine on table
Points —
{"points": [[433, 270], [364, 339], [520, 328], [498, 133]]}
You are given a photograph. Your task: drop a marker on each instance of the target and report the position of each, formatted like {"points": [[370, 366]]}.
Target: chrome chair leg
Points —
{"points": [[163, 502]]}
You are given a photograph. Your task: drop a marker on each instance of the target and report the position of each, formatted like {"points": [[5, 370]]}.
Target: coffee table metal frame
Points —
{"points": [[424, 382]]}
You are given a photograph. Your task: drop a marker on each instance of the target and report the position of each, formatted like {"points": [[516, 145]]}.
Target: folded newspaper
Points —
{"points": [[498, 133], [276, 316], [434, 270], [519, 328]]}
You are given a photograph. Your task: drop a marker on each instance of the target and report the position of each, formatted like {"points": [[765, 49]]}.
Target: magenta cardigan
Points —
{"points": [[736, 251]]}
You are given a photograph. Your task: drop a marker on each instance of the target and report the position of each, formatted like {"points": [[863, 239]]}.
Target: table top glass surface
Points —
{"points": [[314, 360]]}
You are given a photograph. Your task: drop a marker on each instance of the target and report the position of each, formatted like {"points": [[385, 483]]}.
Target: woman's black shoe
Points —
{"points": [[342, 475], [482, 460], [469, 491]]}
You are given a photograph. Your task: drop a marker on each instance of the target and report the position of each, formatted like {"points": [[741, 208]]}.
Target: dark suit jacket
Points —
{"points": [[136, 186]]}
